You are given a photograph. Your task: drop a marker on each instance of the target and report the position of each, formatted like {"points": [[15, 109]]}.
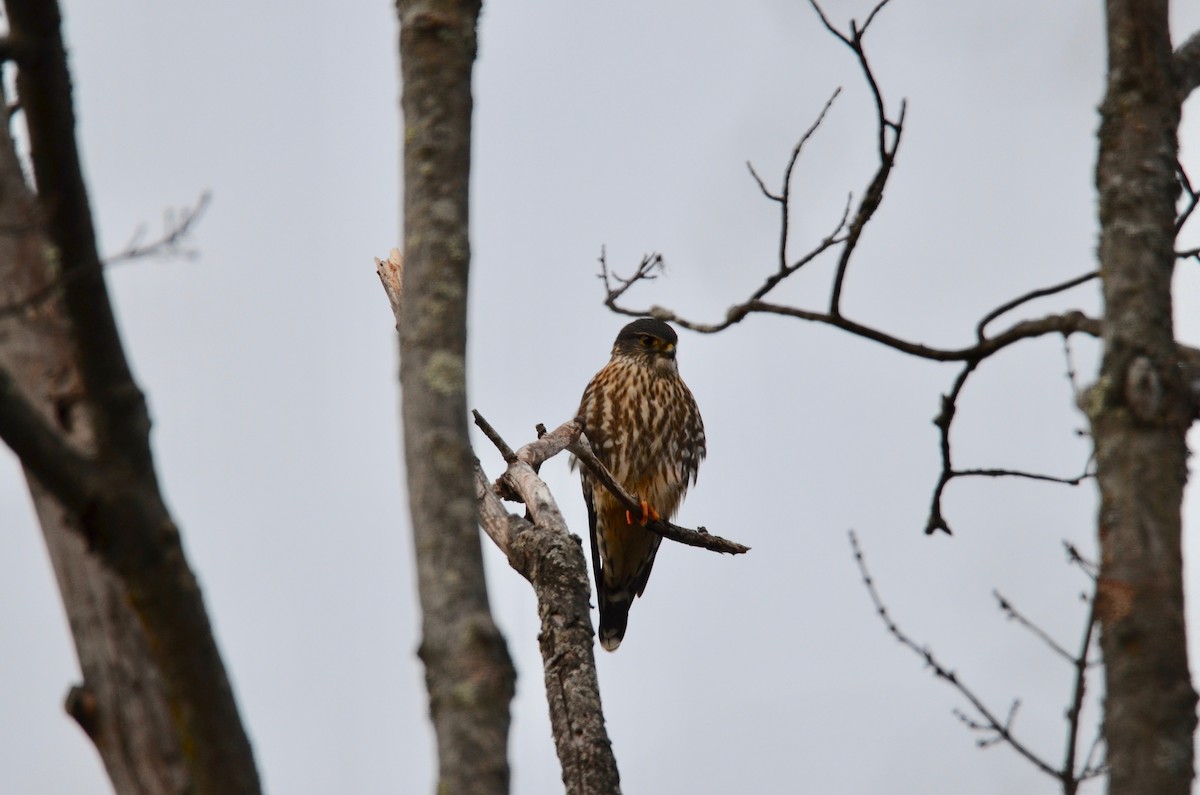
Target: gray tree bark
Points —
{"points": [[1140, 410], [122, 704], [155, 698], [544, 552], [468, 673]]}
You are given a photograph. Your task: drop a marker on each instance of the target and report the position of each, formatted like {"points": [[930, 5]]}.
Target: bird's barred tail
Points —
{"points": [[614, 617]]}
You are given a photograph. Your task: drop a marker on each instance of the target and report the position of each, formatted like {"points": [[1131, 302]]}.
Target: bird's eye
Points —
{"points": [[646, 340]]}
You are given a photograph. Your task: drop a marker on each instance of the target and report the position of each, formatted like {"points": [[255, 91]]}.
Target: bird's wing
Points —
{"points": [[591, 511]]}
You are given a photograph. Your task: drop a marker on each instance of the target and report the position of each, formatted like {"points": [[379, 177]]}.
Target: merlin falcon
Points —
{"points": [[643, 424]]}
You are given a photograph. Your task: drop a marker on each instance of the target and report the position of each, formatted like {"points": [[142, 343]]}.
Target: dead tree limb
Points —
{"points": [[551, 559], [544, 552]]}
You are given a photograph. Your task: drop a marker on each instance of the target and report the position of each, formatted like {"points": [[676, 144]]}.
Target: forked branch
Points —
{"points": [[843, 240], [998, 730], [569, 436]]}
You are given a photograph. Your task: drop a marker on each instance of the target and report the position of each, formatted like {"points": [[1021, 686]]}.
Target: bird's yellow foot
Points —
{"points": [[648, 514]]}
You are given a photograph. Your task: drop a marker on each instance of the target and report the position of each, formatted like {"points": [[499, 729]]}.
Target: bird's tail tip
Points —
{"points": [[614, 617]]}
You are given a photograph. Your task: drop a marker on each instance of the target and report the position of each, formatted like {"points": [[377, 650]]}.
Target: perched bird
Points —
{"points": [[643, 424]]}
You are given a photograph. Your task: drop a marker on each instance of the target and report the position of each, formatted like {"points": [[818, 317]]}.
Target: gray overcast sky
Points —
{"points": [[270, 366]]}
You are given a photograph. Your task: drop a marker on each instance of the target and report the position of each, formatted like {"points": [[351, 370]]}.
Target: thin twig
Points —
{"points": [[1076, 558], [177, 229], [785, 194], [490, 432], [1075, 710], [177, 226], [1192, 198], [1015, 615], [1001, 729], [1008, 306]]}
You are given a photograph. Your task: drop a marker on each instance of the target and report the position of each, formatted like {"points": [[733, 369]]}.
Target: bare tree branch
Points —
{"points": [[699, 537], [1185, 185], [1187, 67], [177, 229], [997, 730], [543, 551], [1008, 306], [1001, 728], [943, 421], [570, 437], [76, 481], [1013, 614], [391, 275], [171, 242]]}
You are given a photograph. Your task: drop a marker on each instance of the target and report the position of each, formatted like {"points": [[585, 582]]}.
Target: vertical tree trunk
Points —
{"points": [[1140, 411], [468, 672]]}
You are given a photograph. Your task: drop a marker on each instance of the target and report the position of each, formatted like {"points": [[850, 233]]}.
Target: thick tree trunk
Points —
{"points": [[1140, 411], [468, 672], [155, 699], [122, 703]]}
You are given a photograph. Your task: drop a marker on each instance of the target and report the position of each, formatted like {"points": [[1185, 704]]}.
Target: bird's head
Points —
{"points": [[650, 342]]}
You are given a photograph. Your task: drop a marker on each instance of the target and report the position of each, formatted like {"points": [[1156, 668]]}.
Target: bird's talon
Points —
{"points": [[648, 515]]}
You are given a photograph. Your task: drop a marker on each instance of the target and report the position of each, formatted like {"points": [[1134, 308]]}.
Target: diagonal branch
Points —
{"points": [[1002, 729], [1010, 610], [570, 437], [44, 91], [170, 243], [177, 227], [1187, 67], [75, 479], [700, 537]]}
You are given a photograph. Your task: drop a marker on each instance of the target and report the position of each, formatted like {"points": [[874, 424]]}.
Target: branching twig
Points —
{"points": [[1081, 664], [1076, 558], [974, 725], [1015, 615], [784, 199], [999, 731], [175, 234], [1001, 728], [1008, 306], [177, 226], [943, 421]]}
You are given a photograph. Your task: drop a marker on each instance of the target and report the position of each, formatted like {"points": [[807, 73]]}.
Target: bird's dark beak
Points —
{"points": [[669, 351]]}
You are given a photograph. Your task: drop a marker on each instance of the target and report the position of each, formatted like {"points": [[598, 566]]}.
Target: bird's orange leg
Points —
{"points": [[648, 514]]}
